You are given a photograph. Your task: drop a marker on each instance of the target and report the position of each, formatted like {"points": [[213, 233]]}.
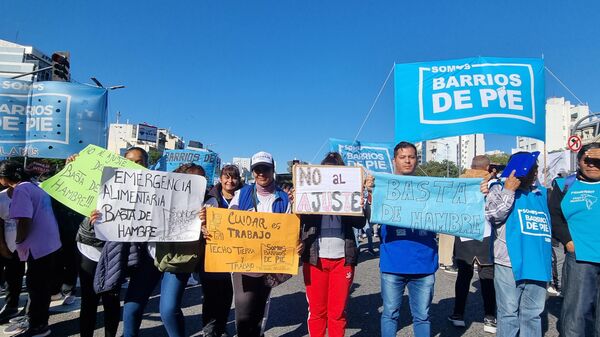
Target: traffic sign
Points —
{"points": [[574, 143]]}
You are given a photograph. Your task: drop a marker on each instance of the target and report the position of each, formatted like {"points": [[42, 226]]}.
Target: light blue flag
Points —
{"points": [[468, 96], [452, 206], [50, 119], [375, 157], [209, 160]]}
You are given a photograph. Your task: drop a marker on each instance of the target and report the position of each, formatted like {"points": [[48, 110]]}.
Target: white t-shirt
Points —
{"points": [[10, 225]]}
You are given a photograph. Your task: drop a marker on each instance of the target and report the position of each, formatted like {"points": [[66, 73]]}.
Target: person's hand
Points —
{"points": [[485, 183], [202, 215], [570, 246], [593, 153], [95, 216], [370, 183], [512, 182], [299, 247], [71, 158]]}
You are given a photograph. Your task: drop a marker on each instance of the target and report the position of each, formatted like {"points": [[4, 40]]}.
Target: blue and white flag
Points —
{"points": [[469, 96], [50, 119], [452, 206], [375, 157], [209, 160]]}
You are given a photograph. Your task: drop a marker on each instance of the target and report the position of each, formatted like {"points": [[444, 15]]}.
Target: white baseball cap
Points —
{"points": [[262, 158]]}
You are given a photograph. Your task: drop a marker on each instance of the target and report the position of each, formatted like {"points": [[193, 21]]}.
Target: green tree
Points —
{"points": [[500, 159], [445, 168], [153, 156]]}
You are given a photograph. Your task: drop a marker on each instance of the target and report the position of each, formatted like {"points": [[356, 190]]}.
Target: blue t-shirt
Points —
{"points": [[407, 251]]}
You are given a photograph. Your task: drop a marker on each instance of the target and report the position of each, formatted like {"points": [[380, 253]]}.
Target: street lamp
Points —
{"points": [[114, 87]]}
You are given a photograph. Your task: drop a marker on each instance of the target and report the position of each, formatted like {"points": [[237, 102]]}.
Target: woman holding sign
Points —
{"points": [[330, 255], [251, 291], [518, 212], [217, 287]]}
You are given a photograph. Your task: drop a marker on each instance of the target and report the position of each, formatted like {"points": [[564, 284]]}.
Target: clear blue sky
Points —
{"points": [[284, 76]]}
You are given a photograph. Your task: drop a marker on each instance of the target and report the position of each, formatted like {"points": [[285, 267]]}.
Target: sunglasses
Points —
{"points": [[592, 161]]}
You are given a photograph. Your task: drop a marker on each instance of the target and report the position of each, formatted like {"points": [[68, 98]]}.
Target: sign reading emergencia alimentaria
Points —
{"points": [[467, 96]]}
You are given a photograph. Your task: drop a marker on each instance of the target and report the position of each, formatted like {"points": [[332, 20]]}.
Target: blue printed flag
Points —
{"points": [[209, 160], [468, 96], [375, 157]]}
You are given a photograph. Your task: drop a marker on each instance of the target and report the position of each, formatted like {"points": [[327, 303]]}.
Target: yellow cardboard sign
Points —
{"points": [[251, 242]]}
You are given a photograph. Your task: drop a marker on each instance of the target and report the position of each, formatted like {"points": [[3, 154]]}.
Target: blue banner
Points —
{"points": [[468, 96], [209, 160], [452, 206], [375, 157], [50, 119]]}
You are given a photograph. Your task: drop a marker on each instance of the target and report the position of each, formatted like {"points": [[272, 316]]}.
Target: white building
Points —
{"points": [[16, 59], [459, 149], [148, 137], [169, 141], [243, 165]]}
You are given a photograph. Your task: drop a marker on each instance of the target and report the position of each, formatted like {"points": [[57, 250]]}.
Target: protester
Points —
{"points": [[217, 288], [330, 256], [14, 268], [176, 261], [522, 257], [408, 258], [251, 291], [575, 212], [468, 253], [558, 261], [446, 253], [94, 251], [37, 241]]}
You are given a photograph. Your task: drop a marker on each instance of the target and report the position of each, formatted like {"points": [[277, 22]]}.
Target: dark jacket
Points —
{"points": [[115, 260], [311, 230], [473, 250]]}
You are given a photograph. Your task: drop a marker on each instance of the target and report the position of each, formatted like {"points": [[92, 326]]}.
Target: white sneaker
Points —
{"points": [[552, 291], [17, 327]]}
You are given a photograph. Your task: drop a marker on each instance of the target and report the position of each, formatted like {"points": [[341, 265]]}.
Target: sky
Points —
{"points": [[284, 76]]}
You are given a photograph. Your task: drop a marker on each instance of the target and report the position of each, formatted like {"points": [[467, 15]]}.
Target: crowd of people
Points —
{"points": [[40, 237]]}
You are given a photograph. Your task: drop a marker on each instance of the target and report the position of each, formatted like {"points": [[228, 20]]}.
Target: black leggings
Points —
{"points": [[217, 291], [251, 296], [14, 271], [89, 303], [463, 282]]}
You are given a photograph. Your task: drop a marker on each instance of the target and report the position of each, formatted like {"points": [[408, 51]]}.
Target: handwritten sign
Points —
{"points": [[77, 185], [452, 206], [328, 189], [251, 242], [145, 205]]}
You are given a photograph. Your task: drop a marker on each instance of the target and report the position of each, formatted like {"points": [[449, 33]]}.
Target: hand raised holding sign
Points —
{"points": [[370, 183], [484, 186], [512, 182]]}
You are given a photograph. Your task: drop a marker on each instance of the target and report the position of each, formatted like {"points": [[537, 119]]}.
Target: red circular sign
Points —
{"points": [[574, 143]]}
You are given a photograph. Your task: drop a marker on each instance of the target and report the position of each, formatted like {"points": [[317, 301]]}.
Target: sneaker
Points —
{"points": [[192, 281], [22, 317], [57, 297], [489, 324], [69, 298], [35, 332], [451, 269], [553, 291], [457, 320], [7, 313], [17, 327]]}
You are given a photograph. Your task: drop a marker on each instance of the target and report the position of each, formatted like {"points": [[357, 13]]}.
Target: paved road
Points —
{"points": [[288, 310]]}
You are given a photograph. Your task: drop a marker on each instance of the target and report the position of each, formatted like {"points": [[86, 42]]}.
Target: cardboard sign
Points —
{"points": [[77, 185], [145, 205], [467, 96], [50, 119], [251, 242], [452, 206], [328, 189]]}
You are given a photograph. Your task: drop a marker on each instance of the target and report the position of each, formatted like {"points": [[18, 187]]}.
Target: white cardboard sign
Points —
{"points": [[328, 189], [144, 205]]}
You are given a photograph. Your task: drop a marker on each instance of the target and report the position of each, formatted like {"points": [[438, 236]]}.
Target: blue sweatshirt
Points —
{"points": [[407, 251]]}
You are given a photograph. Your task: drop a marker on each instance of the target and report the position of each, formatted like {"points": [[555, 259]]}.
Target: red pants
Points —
{"points": [[327, 288]]}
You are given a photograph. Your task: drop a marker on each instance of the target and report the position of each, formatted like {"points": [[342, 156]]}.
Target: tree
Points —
{"points": [[500, 159], [153, 156], [445, 168]]}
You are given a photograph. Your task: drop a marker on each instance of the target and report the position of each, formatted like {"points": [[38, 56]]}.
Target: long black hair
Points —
{"points": [[13, 171]]}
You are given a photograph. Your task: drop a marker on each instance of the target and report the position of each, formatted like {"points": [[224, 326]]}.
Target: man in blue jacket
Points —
{"points": [[408, 258]]}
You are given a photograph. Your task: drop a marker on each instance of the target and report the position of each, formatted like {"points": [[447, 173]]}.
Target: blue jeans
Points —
{"points": [[581, 293], [172, 287], [520, 304], [420, 294], [141, 284]]}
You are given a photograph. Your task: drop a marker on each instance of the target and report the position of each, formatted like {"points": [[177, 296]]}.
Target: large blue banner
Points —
{"points": [[50, 119], [468, 96], [375, 157], [452, 206], [209, 160]]}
